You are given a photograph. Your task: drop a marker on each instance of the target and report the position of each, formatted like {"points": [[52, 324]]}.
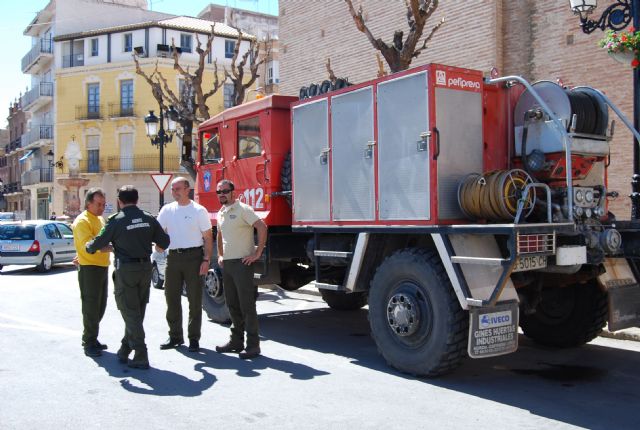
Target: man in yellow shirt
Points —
{"points": [[93, 270]]}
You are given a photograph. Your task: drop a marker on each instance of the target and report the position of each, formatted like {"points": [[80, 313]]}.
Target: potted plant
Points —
{"points": [[623, 46]]}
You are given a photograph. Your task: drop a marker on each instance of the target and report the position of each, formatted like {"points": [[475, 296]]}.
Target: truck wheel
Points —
{"points": [[46, 264], [566, 317], [156, 280], [414, 315], [341, 301], [213, 301], [285, 176]]}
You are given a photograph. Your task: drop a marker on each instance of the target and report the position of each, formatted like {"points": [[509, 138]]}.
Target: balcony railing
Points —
{"points": [[86, 112], [44, 89], [42, 46], [43, 132], [143, 163], [74, 60], [36, 176], [13, 187], [119, 110], [14, 145]]}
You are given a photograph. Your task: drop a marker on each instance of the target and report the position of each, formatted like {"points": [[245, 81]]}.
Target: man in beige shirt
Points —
{"points": [[236, 254]]}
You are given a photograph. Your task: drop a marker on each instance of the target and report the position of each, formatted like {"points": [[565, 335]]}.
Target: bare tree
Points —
{"points": [[237, 74], [401, 52], [192, 103]]}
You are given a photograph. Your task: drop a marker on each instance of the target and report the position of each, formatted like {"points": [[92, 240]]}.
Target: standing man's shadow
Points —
{"points": [[158, 382], [249, 368]]}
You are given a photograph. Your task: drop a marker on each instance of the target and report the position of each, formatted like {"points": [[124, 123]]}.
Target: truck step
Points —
{"points": [[478, 260], [332, 287], [338, 254]]}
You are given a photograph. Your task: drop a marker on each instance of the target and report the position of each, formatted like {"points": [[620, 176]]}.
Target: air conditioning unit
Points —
{"points": [[163, 50]]}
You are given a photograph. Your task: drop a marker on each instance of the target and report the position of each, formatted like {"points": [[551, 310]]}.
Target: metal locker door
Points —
{"points": [[403, 150], [310, 161], [352, 155]]}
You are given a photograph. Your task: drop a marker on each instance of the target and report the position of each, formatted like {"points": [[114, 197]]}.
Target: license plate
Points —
{"points": [[10, 247], [531, 262]]}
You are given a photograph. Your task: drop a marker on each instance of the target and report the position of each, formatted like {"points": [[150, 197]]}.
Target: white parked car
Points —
{"points": [[159, 261], [41, 243]]}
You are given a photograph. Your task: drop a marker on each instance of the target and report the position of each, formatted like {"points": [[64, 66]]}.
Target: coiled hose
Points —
{"points": [[494, 196]]}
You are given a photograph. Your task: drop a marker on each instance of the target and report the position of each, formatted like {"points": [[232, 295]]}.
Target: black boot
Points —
{"points": [[140, 359], [123, 353]]}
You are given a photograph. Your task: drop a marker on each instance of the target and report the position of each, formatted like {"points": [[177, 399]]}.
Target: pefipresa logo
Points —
{"points": [[463, 83]]}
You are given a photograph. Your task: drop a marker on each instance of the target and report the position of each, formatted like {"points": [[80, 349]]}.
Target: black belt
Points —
{"points": [[133, 260], [183, 250]]}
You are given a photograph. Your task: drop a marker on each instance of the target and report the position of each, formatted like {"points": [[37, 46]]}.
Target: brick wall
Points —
{"points": [[537, 39]]}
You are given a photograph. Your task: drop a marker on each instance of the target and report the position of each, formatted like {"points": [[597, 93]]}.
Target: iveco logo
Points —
{"points": [[463, 83], [495, 319]]}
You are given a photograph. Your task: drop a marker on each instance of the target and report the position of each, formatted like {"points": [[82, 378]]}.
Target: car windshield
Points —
{"points": [[17, 232]]}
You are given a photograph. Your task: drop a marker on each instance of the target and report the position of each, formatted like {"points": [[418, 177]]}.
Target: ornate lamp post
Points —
{"points": [[162, 135], [617, 17]]}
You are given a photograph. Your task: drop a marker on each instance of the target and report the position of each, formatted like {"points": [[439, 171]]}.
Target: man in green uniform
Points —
{"points": [[131, 231], [93, 270], [236, 254]]}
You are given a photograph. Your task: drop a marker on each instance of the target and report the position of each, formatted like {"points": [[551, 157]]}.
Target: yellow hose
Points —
{"points": [[494, 196]]}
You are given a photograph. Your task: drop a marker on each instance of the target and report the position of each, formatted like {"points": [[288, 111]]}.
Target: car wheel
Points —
{"points": [[156, 280], [46, 264], [213, 300]]}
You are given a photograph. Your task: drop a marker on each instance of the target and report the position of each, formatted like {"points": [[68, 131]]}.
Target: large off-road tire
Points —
{"points": [[156, 281], [567, 317], [285, 176], [415, 318], [342, 301], [213, 301], [46, 264]]}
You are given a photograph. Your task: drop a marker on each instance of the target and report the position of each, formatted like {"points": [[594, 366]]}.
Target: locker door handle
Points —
{"points": [[423, 143], [324, 155], [368, 152]]}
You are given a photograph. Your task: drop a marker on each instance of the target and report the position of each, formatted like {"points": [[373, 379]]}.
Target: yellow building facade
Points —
{"points": [[100, 105], [110, 133]]}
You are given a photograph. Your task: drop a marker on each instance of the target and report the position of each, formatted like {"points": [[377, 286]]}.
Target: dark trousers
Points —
{"points": [[93, 281], [184, 268], [240, 295], [132, 282]]}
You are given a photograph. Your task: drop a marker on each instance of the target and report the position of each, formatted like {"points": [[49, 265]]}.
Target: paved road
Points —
{"points": [[320, 370]]}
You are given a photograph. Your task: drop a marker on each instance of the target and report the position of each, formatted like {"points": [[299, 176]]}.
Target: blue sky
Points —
{"points": [[15, 18]]}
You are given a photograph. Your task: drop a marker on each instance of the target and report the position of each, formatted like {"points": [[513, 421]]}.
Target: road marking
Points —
{"points": [[26, 324]]}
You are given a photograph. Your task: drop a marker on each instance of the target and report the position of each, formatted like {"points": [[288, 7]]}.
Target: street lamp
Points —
{"points": [[617, 17], [160, 131], [59, 164]]}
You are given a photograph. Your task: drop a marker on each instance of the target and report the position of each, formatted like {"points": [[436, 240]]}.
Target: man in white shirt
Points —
{"points": [[188, 258]]}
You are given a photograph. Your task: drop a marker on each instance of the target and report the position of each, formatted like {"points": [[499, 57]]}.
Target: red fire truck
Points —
{"points": [[458, 207]]}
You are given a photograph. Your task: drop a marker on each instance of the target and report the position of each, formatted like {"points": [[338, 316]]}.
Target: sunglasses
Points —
{"points": [[223, 191]]}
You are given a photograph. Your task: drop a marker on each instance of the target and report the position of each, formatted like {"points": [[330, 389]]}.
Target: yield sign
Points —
{"points": [[161, 180]]}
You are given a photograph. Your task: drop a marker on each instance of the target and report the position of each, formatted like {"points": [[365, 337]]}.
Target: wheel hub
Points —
{"points": [[402, 314], [213, 285]]}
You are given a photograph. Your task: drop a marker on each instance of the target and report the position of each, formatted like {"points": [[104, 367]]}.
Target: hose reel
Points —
{"points": [[494, 196]]}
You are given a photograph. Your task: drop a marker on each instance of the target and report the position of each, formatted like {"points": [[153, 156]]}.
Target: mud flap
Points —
{"points": [[493, 330], [624, 306], [624, 294]]}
